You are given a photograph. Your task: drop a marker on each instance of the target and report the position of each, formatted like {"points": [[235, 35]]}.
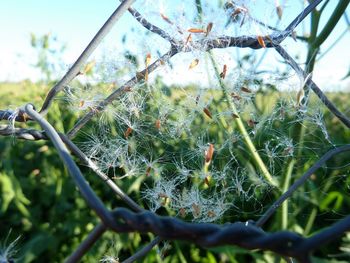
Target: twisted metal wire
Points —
{"points": [[249, 235]]}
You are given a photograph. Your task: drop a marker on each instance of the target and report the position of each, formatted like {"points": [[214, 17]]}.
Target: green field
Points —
{"points": [[39, 202]]}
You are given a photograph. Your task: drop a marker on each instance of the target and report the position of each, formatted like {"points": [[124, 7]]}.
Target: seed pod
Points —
{"points": [[235, 96], [207, 112], [224, 71], [194, 63], [148, 170], [279, 11], [261, 41], [209, 153], [128, 132], [209, 28], [166, 19], [235, 116], [182, 212], [196, 30], [252, 123], [127, 89], [211, 213], [245, 89], [158, 124], [196, 210], [188, 39], [148, 59]]}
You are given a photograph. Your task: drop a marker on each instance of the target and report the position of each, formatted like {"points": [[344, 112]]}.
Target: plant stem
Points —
{"points": [[285, 188], [314, 43], [310, 222], [242, 129]]}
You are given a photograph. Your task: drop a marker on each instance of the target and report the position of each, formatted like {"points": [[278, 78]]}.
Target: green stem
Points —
{"points": [[310, 222], [332, 22], [179, 253], [285, 188], [199, 10], [314, 43], [242, 129]]}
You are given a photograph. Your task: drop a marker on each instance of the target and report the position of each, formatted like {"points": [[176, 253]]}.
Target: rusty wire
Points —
{"points": [[249, 234]]}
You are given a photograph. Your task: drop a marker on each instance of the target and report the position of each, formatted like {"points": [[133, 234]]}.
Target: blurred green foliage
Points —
{"points": [[39, 202]]}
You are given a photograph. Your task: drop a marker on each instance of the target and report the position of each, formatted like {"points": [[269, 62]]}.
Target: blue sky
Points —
{"points": [[75, 23]]}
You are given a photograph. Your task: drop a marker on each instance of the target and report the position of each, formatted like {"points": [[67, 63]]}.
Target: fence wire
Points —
{"points": [[250, 234]]}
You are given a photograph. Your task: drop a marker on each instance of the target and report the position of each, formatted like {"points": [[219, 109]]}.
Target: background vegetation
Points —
{"points": [[39, 202]]}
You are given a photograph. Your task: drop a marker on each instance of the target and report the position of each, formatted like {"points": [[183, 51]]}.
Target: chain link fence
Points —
{"points": [[250, 234]]}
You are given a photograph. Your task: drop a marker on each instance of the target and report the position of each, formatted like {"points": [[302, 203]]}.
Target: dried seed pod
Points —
{"points": [[194, 63], [211, 213], [148, 59], [209, 153], [128, 132], [261, 41], [166, 19], [235, 116], [182, 212], [279, 11], [188, 39], [196, 30], [158, 124], [207, 112], [196, 210], [245, 89], [127, 89], [224, 71], [209, 28], [235, 96], [148, 170], [252, 123]]}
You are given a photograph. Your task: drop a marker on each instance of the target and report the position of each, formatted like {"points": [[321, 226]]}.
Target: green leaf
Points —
{"points": [[7, 192], [334, 198]]}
